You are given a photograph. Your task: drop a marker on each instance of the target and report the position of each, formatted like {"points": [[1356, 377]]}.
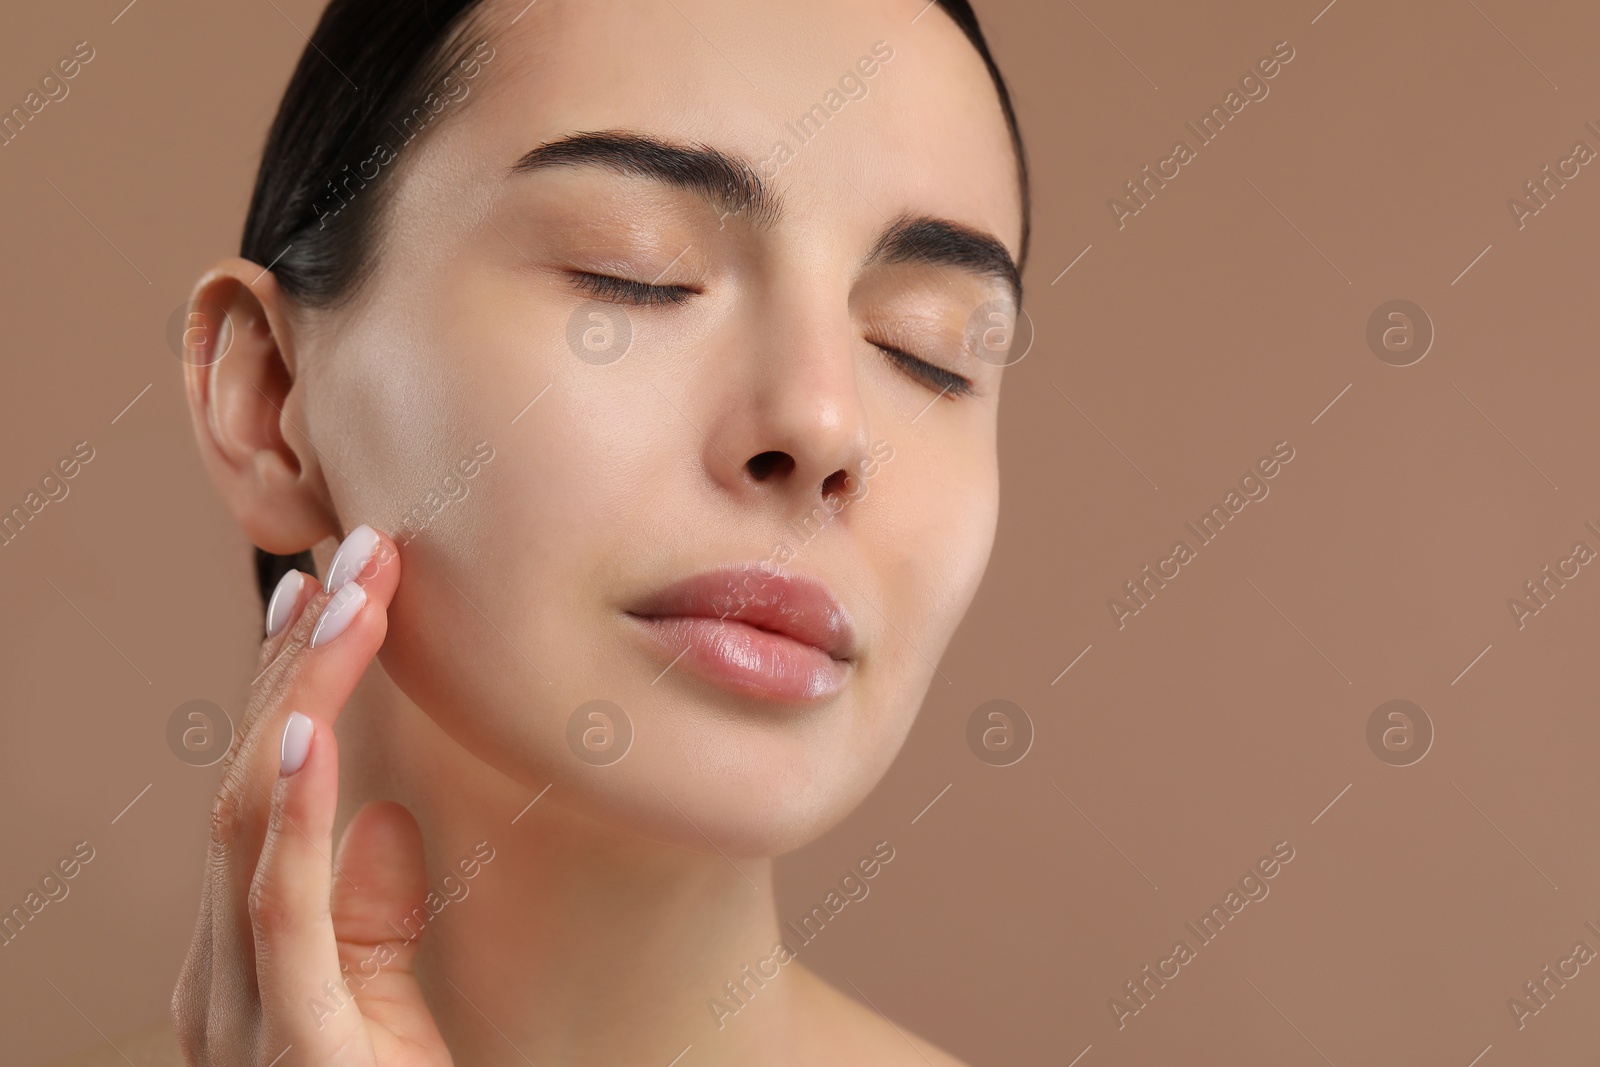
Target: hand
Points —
{"points": [[262, 983]]}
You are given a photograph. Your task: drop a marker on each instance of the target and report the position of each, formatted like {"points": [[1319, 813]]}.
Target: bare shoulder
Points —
{"points": [[154, 1046], [858, 1034]]}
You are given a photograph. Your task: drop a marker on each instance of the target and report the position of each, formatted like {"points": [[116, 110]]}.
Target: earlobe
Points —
{"points": [[239, 370]]}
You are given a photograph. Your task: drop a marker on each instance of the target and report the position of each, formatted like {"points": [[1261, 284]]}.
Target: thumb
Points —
{"points": [[378, 916]]}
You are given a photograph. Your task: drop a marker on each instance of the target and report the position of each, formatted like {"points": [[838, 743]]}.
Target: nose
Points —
{"points": [[788, 424]]}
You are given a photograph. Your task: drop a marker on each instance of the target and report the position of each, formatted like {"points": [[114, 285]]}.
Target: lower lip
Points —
{"points": [[745, 659]]}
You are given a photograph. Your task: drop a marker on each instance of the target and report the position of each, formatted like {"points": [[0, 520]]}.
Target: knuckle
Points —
{"points": [[274, 681], [235, 746], [226, 816], [270, 911], [277, 819], [266, 913], [237, 757], [299, 638], [300, 632], [275, 676], [188, 1024]]}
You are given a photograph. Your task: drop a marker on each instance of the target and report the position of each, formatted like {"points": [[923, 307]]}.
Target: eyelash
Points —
{"points": [[628, 291], [946, 381], [644, 294]]}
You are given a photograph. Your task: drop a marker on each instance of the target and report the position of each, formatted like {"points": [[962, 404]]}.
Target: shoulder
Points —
{"points": [[862, 1035], [154, 1046]]}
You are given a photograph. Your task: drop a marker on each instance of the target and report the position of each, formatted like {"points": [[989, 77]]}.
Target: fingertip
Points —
{"points": [[382, 827], [281, 607], [298, 732], [382, 854], [290, 597], [352, 557], [308, 770], [368, 557], [382, 573], [338, 613]]}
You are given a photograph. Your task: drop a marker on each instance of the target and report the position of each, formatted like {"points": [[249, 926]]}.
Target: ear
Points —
{"points": [[239, 372]]}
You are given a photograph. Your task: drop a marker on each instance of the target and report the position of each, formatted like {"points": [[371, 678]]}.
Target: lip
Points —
{"points": [[742, 627]]}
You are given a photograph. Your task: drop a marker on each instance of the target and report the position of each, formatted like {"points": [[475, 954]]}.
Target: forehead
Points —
{"points": [[786, 86]]}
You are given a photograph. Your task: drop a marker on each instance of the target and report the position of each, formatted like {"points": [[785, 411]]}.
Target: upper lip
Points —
{"points": [[794, 606]]}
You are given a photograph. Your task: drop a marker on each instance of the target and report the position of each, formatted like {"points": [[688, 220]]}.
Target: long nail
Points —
{"points": [[353, 555], [338, 614], [296, 743], [280, 608]]}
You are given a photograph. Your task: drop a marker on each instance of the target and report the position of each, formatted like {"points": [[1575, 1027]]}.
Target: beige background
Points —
{"points": [[1226, 717]]}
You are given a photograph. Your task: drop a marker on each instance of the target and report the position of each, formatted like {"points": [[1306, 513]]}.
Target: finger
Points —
{"points": [[287, 603], [361, 582], [379, 916], [363, 557], [296, 960], [303, 594], [363, 575], [317, 665], [191, 996], [347, 624]]}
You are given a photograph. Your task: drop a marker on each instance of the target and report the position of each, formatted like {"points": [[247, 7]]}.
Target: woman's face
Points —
{"points": [[555, 454]]}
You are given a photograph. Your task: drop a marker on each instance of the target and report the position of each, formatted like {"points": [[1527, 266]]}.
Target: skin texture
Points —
{"points": [[620, 903]]}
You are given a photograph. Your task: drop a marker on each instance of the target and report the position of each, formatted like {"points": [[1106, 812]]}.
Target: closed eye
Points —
{"points": [[927, 373], [644, 294], [627, 291]]}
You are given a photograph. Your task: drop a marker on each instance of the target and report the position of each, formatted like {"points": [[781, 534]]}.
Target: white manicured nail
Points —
{"points": [[338, 614], [296, 743], [353, 555], [280, 609]]}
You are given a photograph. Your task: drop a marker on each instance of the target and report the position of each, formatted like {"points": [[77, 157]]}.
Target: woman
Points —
{"points": [[629, 371]]}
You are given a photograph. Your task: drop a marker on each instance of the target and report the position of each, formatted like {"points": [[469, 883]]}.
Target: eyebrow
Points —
{"points": [[942, 243], [695, 168], [734, 184]]}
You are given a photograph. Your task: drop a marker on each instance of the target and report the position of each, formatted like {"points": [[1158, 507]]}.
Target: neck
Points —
{"points": [[573, 941]]}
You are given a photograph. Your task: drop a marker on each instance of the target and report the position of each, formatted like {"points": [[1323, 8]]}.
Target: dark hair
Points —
{"points": [[373, 71]]}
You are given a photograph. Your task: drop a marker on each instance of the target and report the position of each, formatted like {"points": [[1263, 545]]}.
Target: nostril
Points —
{"points": [[767, 464], [836, 483]]}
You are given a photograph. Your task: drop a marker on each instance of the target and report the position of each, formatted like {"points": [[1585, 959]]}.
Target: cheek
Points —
{"points": [[498, 629], [940, 510], [513, 563], [504, 624], [928, 528]]}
